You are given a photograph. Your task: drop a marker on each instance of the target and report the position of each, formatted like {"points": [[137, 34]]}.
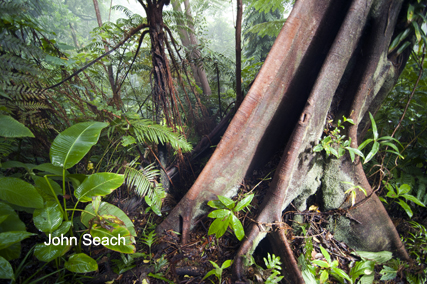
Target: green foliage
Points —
{"points": [[50, 216], [126, 262], [385, 141], [416, 242], [352, 191], [335, 144], [260, 31], [148, 131], [217, 271], [399, 195], [415, 19], [225, 216], [273, 263], [144, 182]]}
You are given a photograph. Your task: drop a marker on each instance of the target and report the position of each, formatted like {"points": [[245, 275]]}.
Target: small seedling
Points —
{"points": [[225, 216], [352, 191], [217, 271]]}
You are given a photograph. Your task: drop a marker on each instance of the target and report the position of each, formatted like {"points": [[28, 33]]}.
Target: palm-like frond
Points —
{"points": [[142, 181], [148, 131]]}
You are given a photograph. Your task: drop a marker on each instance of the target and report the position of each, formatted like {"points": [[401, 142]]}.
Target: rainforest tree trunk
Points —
{"points": [[331, 57], [116, 97]]}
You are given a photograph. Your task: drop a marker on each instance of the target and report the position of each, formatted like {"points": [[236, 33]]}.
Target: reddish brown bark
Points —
{"points": [[331, 56]]}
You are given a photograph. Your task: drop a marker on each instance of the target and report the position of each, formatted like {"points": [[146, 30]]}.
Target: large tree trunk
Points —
{"points": [[331, 56]]}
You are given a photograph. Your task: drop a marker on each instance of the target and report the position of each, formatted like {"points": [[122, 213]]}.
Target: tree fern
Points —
{"points": [[148, 131]]}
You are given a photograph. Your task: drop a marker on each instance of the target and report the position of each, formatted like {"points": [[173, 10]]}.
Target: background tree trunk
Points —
{"points": [[239, 94], [109, 68]]}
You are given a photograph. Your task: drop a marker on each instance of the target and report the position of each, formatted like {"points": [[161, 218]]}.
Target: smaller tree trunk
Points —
{"points": [[116, 97], [195, 53]]}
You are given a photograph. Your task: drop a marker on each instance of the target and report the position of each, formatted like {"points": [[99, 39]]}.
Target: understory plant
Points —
{"points": [[225, 216], [53, 210], [217, 271], [400, 195]]}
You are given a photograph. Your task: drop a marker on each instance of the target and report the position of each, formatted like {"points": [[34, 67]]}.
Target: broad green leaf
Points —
{"points": [[220, 213], [12, 223], [321, 263], [16, 164], [3, 218], [6, 271], [244, 202], [72, 144], [63, 229], [374, 127], [360, 268], [226, 264], [413, 199], [324, 276], [340, 273], [218, 227], [119, 239], [379, 257], [388, 273], [48, 167], [47, 253], [373, 152], [49, 218], [237, 227], [99, 184], [212, 272], [128, 140], [367, 279], [226, 201], [405, 207], [12, 128], [214, 264], [43, 186], [217, 204], [107, 208], [10, 238], [325, 254], [19, 192], [404, 188], [11, 252], [81, 263], [318, 148], [364, 143], [96, 202], [334, 152]]}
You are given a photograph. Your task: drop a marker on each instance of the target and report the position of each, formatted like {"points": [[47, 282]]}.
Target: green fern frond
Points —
{"points": [[271, 28], [148, 131], [142, 181]]}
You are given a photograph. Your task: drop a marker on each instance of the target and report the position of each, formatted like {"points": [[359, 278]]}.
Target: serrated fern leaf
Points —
{"points": [[148, 131], [142, 181]]}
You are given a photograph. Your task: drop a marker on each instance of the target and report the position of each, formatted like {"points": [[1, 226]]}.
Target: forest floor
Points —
{"points": [[189, 263]]}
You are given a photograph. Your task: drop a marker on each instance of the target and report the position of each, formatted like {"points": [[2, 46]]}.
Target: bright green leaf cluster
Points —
{"points": [[217, 271], [225, 216], [399, 195]]}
